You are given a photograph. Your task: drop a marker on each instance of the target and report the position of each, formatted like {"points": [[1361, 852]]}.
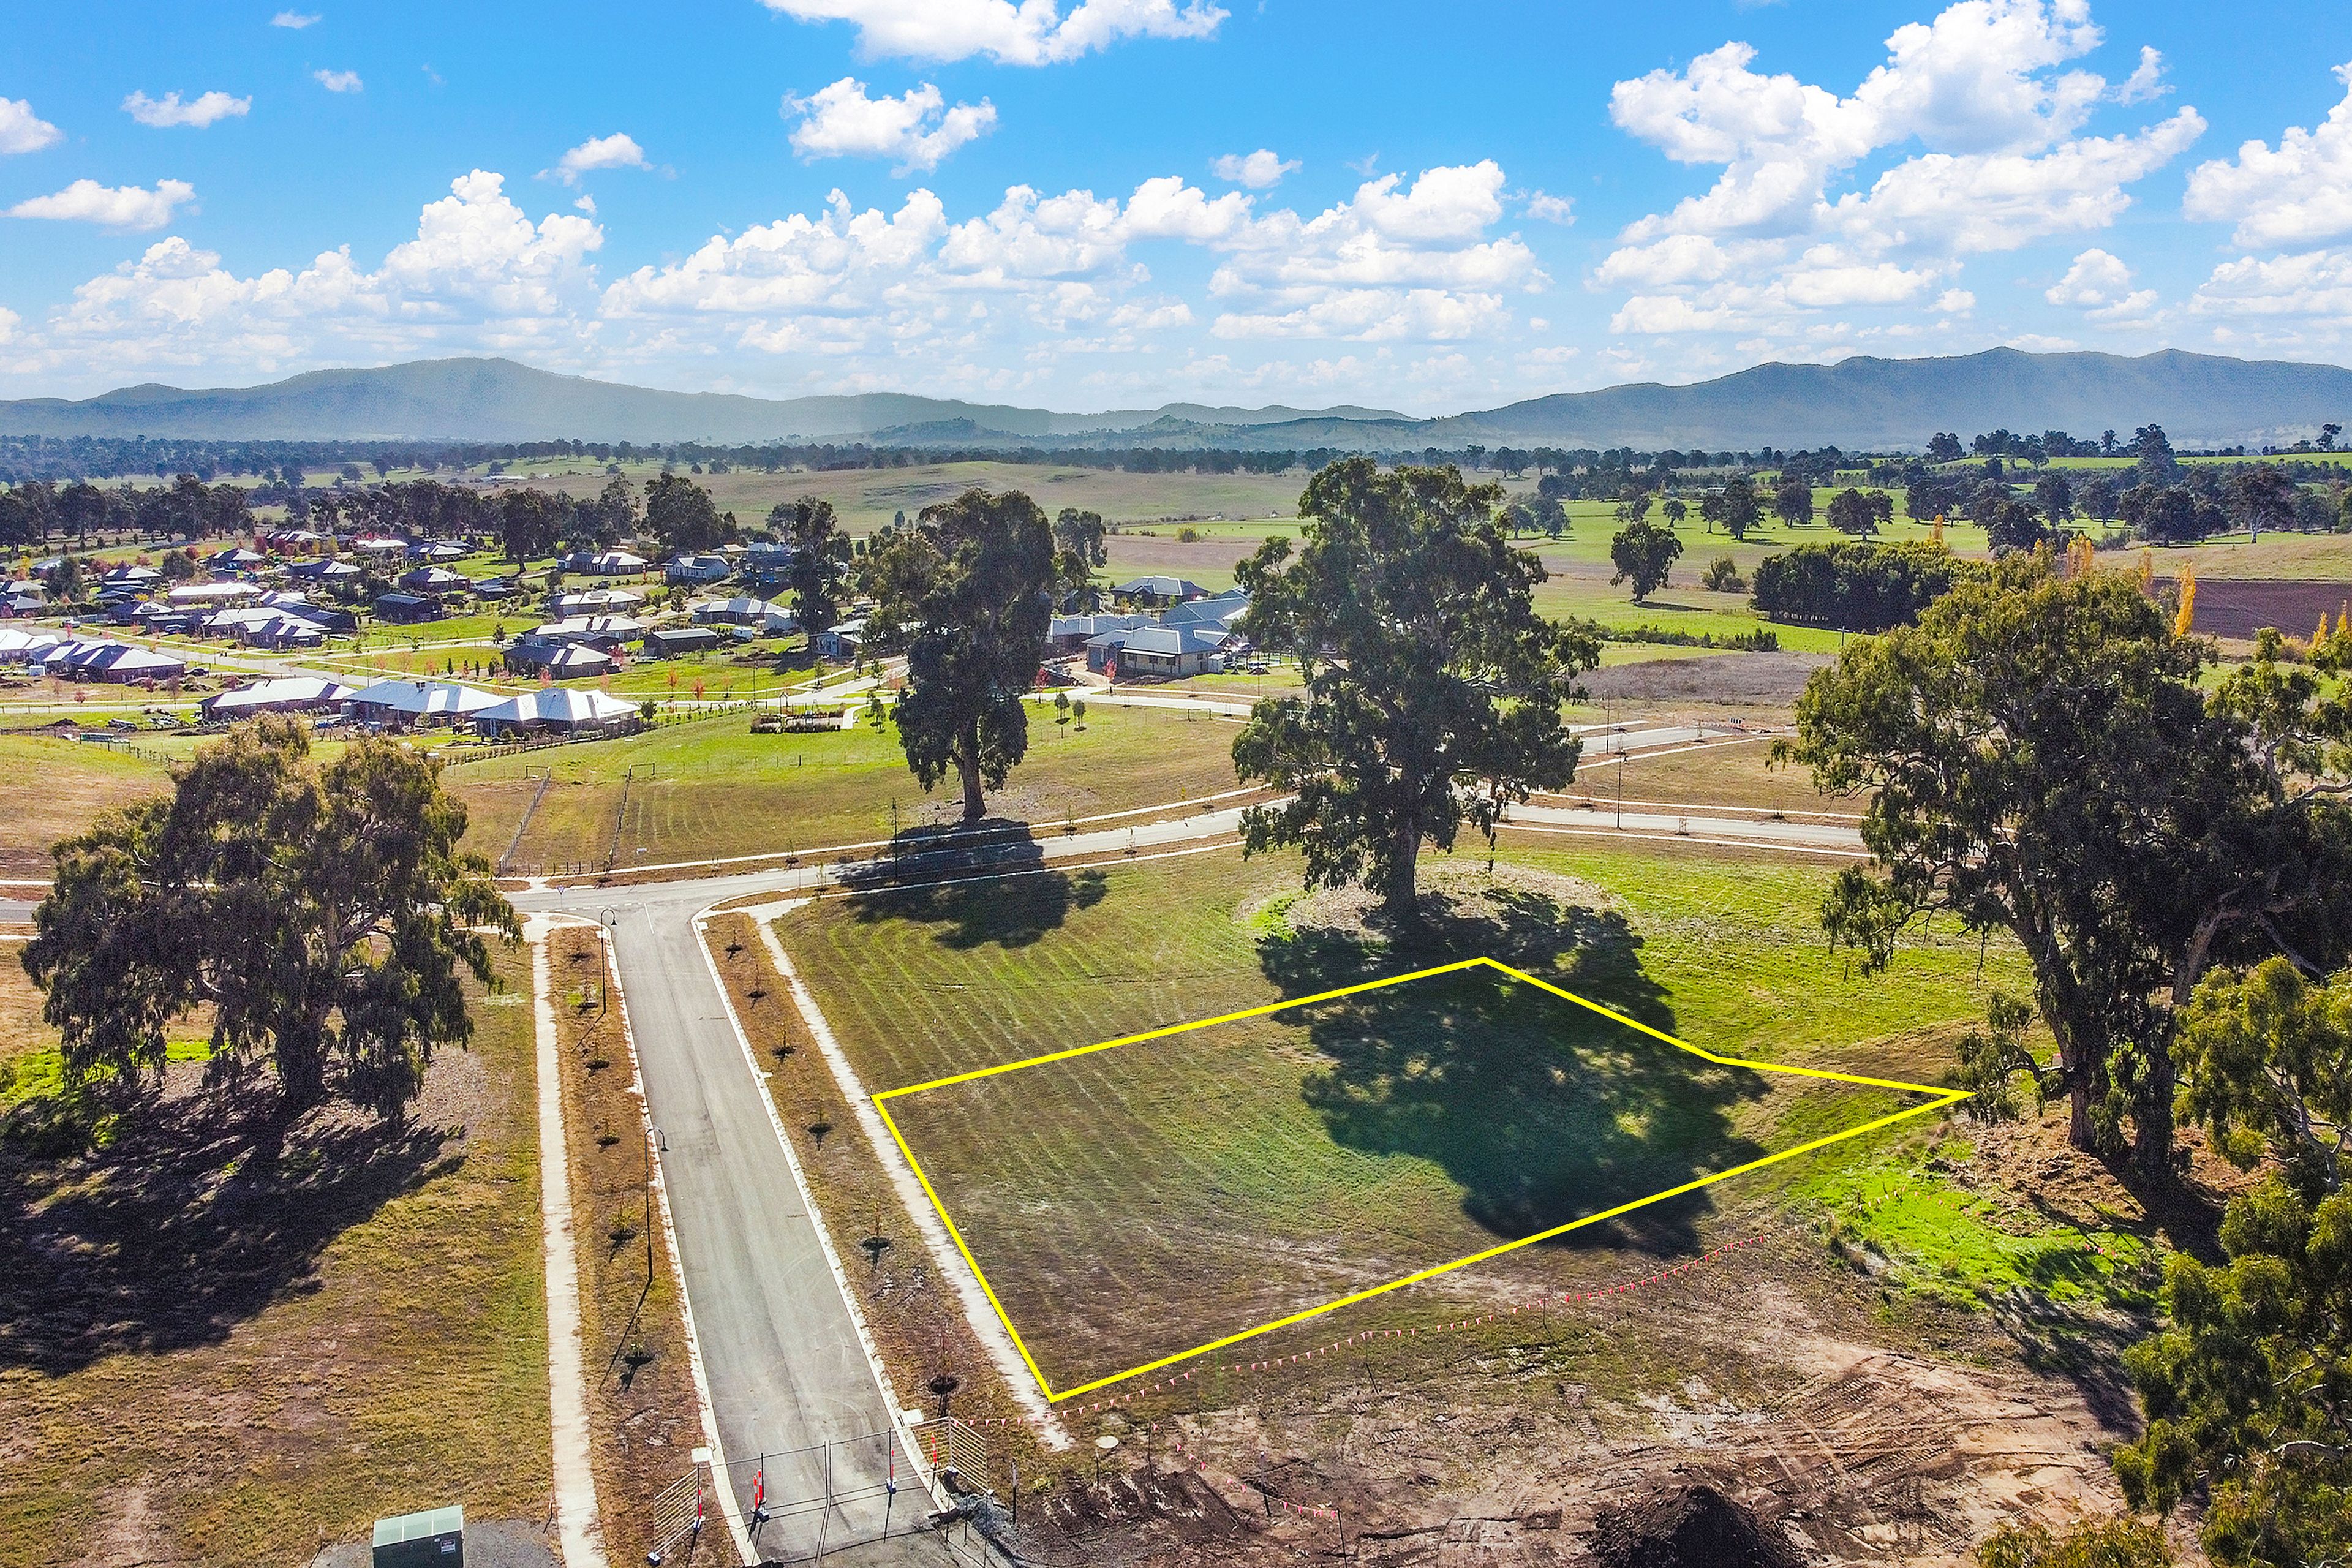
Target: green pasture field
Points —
{"points": [[711, 788], [1315, 1158], [867, 499], [1466, 1106]]}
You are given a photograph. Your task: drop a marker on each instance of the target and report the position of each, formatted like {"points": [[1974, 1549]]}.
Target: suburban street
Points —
{"points": [[787, 1372]]}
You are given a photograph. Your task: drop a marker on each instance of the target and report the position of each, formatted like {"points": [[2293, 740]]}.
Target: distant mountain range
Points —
{"points": [[1859, 404]]}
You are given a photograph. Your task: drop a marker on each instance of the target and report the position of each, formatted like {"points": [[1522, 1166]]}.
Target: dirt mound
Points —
{"points": [[1689, 1526], [1451, 889]]}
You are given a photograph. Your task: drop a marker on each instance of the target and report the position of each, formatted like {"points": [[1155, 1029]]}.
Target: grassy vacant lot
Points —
{"points": [[50, 789], [1723, 772], [204, 1361], [712, 788], [1329, 1154]]}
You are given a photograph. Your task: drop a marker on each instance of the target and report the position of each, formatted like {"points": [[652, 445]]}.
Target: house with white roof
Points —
{"points": [[402, 704], [562, 710]]}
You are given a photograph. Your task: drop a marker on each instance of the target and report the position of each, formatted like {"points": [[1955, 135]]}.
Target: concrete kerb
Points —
{"points": [[744, 1550], [578, 1531], [824, 1240], [977, 1310]]}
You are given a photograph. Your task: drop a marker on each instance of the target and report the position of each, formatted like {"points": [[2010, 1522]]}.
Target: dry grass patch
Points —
{"points": [[53, 789], [206, 1362]]}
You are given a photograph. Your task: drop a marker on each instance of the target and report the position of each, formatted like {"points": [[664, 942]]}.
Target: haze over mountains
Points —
{"points": [[2201, 400]]}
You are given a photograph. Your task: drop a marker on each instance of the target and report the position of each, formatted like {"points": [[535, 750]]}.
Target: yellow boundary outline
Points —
{"points": [[1942, 1097]]}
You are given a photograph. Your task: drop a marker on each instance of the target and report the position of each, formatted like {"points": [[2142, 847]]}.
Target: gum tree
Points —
{"points": [[819, 572], [2039, 760], [322, 912], [968, 593], [1433, 688]]}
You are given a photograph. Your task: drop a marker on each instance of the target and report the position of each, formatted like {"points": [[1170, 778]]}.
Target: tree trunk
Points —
{"points": [[1401, 899], [967, 762], [2079, 1134], [301, 1074], [2152, 1118]]}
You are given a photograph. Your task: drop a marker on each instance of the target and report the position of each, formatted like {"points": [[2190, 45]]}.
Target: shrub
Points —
{"points": [[2092, 1543], [1723, 577], [1861, 587]]}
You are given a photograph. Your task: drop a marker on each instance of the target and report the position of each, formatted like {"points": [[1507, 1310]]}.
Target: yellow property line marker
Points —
{"points": [[1940, 1099]]}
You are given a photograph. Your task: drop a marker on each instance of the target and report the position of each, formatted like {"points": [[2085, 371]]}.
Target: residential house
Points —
{"points": [[1102, 650], [1218, 611], [698, 571], [675, 640], [770, 619], [402, 704], [565, 710], [1169, 653], [1157, 590], [212, 596], [605, 563], [111, 661], [561, 661], [845, 641], [1070, 634], [408, 609], [288, 694], [435, 580], [593, 602], [605, 632]]}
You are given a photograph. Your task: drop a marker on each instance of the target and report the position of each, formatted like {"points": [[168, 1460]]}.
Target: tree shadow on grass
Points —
{"points": [[1015, 906], [175, 1232], [1543, 1111]]}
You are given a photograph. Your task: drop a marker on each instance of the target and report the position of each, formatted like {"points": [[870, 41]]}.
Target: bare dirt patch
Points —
{"points": [[1745, 677], [2238, 607]]}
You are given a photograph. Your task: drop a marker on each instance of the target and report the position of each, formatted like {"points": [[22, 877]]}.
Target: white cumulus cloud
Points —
{"points": [[618, 151], [1988, 113], [22, 131], [296, 20], [339, 81], [199, 113], [1550, 209], [2146, 80], [2298, 192], [998, 300], [1260, 171], [916, 129], [2100, 285], [478, 274], [2313, 283], [1033, 33], [114, 207]]}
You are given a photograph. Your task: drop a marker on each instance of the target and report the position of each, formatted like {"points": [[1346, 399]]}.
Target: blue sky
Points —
{"points": [[1117, 202]]}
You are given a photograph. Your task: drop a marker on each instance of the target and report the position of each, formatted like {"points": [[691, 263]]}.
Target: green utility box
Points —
{"points": [[435, 1539]]}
